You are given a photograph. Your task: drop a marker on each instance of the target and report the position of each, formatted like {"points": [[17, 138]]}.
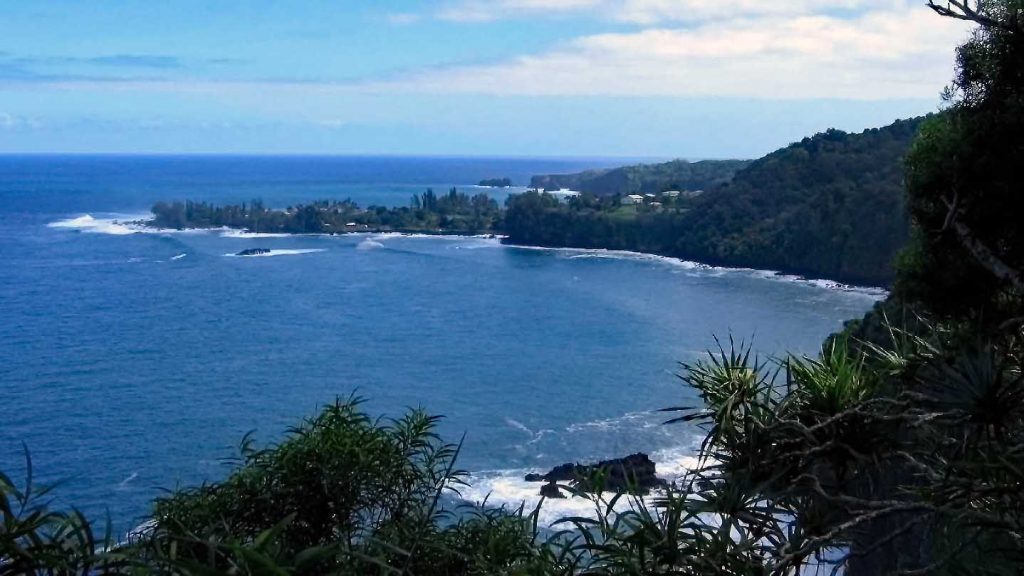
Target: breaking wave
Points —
{"points": [[369, 244], [87, 223], [233, 233], [509, 489], [279, 252], [117, 225], [706, 269]]}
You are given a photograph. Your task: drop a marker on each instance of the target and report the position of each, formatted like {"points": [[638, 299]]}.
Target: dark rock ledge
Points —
{"points": [[633, 474]]}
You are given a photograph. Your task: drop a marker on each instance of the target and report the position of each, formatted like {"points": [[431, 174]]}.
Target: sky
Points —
{"points": [[638, 78]]}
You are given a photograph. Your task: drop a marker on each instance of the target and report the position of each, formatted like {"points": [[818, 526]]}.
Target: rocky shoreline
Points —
{"points": [[634, 474]]}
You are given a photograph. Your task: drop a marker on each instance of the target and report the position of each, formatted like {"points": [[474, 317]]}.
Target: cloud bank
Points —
{"points": [[651, 12], [852, 49]]}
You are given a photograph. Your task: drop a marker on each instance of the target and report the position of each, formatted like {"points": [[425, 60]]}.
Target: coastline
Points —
{"points": [[781, 274], [793, 275], [498, 484]]}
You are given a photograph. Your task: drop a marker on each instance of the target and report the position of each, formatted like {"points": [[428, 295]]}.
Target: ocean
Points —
{"points": [[132, 362]]}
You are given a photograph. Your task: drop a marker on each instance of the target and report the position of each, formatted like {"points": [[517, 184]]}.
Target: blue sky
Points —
{"points": [[655, 78]]}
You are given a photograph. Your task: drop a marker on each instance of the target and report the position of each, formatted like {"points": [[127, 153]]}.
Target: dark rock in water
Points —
{"points": [[496, 182], [550, 490], [253, 252], [635, 472]]}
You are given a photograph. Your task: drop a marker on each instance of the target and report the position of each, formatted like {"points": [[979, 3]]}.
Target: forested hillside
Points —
{"points": [[645, 178], [829, 206]]}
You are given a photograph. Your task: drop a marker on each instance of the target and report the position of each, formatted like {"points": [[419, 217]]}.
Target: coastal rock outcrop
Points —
{"points": [[636, 472], [550, 490], [253, 252]]}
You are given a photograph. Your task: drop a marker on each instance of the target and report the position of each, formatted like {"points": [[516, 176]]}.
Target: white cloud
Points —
{"points": [[650, 12], [333, 123], [13, 122], [890, 51], [897, 52], [488, 10]]}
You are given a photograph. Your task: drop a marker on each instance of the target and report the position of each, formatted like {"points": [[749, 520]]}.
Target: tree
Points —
{"points": [[964, 175]]}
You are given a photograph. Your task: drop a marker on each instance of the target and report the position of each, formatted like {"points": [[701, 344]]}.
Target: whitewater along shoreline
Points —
{"points": [[120, 225], [148, 225], [498, 486]]}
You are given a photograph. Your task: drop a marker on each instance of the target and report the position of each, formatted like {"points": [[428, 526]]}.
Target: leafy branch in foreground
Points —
{"points": [[37, 540]]}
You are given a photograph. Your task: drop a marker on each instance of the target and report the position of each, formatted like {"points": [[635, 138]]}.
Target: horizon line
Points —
{"points": [[440, 156]]}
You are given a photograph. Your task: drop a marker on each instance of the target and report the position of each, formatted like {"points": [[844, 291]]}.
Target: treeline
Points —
{"points": [[644, 178], [829, 206], [453, 212]]}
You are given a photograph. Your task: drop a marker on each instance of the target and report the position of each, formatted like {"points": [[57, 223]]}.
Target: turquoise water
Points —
{"points": [[131, 362]]}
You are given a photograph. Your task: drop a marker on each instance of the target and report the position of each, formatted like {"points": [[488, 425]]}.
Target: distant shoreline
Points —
{"points": [[830, 283]]}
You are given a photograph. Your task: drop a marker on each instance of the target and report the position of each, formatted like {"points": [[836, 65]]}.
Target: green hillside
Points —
{"points": [[829, 206], [645, 178]]}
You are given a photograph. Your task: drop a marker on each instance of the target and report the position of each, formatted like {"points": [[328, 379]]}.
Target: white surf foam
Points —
{"points": [[280, 252], [119, 225], [88, 223], [519, 426], [620, 255], [369, 244], [233, 233], [179, 256], [419, 235], [674, 463], [124, 483], [708, 270], [508, 488]]}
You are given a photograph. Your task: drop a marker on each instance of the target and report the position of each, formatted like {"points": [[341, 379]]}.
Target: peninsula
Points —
{"points": [[830, 206]]}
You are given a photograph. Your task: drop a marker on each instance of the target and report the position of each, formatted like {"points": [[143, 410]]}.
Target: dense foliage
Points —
{"points": [[342, 494], [829, 206], [644, 178], [964, 180], [453, 212]]}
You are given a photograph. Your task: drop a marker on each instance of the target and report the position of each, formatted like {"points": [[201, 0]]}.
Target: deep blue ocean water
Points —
{"points": [[131, 362]]}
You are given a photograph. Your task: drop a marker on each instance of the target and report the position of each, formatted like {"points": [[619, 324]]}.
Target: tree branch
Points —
{"points": [[988, 259], [961, 10]]}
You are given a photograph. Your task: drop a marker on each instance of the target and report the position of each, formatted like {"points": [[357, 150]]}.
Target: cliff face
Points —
{"points": [[645, 178]]}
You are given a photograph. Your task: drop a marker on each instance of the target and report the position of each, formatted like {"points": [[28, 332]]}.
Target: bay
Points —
{"points": [[132, 362]]}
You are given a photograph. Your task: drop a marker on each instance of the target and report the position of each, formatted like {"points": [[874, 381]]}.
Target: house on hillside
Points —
{"points": [[632, 199]]}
